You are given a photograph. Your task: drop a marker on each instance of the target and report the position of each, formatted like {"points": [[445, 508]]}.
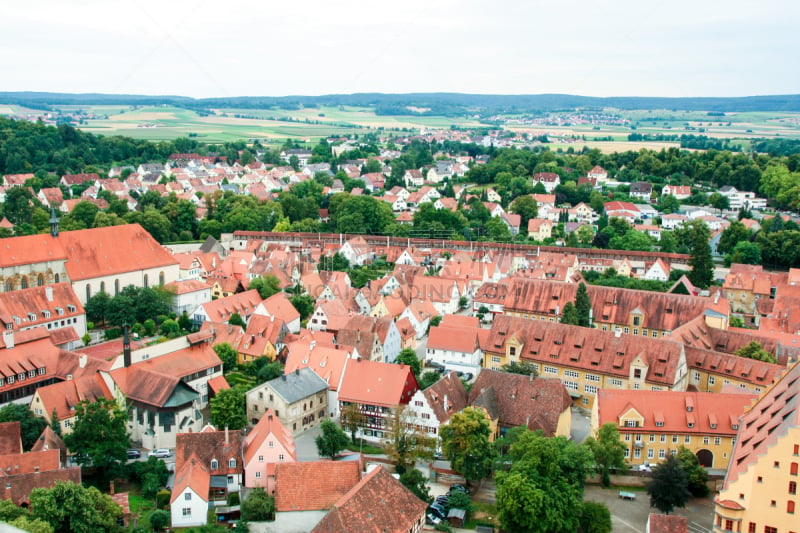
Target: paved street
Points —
{"points": [[305, 446], [581, 424]]}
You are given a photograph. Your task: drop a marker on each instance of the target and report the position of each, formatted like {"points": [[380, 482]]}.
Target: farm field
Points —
{"points": [[310, 124]]}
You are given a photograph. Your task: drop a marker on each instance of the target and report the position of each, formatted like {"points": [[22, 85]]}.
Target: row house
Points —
{"points": [[681, 192], [431, 408], [53, 307], [456, 344], [327, 360], [654, 425], [586, 359], [221, 310]]}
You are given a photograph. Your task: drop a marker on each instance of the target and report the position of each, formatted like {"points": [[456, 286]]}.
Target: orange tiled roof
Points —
{"points": [[314, 485], [268, 425], [374, 383]]}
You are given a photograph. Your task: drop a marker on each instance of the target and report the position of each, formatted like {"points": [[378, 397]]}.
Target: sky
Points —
{"points": [[201, 48]]}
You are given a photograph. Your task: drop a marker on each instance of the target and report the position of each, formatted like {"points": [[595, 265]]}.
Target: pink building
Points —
{"points": [[268, 444]]}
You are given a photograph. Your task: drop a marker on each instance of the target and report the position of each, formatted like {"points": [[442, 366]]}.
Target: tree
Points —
{"points": [[543, 490], [415, 481], [352, 418], [607, 450], [236, 320], [595, 518], [228, 409], [583, 306], [465, 442], [97, 306], [31, 426], [569, 315], [526, 207], [520, 367], [497, 230], [266, 285], [152, 474], [754, 350], [732, 235], [259, 506], [405, 444], [9, 511], [332, 440], [227, 354], [71, 508], [269, 371], [460, 500], [702, 273], [408, 356], [303, 303], [100, 435], [31, 525], [159, 519], [428, 378], [745, 253], [669, 486], [697, 475]]}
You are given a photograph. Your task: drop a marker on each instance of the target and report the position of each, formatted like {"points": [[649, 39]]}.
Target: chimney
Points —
{"points": [[8, 338], [227, 440], [82, 359], [716, 297], [48, 292], [296, 371], [126, 346], [530, 378], [446, 403]]}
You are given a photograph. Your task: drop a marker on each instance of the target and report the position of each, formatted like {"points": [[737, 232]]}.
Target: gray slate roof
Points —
{"points": [[298, 385]]}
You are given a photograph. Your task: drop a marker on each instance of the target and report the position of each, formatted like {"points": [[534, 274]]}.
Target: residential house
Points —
{"points": [[742, 199], [190, 499], [313, 485], [187, 295], [61, 399], [378, 502], [419, 313], [673, 221], [243, 304], [456, 347], [356, 251], [220, 452], [299, 399], [328, 361], [642, 190], [268, 445], [549, 180], [598, 173], [514, 400], [263, 338], [540, 229], [413, 178], [681, 192], [658, 271], [655, 424], [53, 307], [379, 389], [431, 408], [760, 488]]}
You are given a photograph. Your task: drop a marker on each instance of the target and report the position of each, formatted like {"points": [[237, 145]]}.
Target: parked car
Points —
{"points": [[439, 456], [444, 501], [160, 452], [458, 487], [134, 454], [645, 467], [432, 519], [438, 510]]}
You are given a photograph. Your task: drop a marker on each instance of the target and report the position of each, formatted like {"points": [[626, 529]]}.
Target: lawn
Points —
{"points": [[484, 514]]}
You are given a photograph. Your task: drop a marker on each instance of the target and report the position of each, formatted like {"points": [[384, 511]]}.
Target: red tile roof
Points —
{"points": [[329, 363], [268, 425], [453, 339], [194, 475], [374, 383], [10, 438], [377, 504], [661, 523], [65, 396], [209, 444], [315, 485]]}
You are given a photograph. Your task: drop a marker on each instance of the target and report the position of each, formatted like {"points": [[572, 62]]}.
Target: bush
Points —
{"points": [[112, 333], [444, 526], [159, 519], [90, 325], [162, 499], [233, 498]]}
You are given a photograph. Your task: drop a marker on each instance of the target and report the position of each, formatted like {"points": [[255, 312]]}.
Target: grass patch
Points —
{"points": [[360, 445], [237, 378], [483, 514]]}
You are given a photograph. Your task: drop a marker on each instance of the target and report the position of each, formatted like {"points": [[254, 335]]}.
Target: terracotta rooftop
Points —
{"points": [[661, 523], [377, 504], [269, 426], [64, 397], [314, 485], [329, 363], [10, 438], [207, 445], [373, 383], [447, 396], [536, 403], [193, 475]]}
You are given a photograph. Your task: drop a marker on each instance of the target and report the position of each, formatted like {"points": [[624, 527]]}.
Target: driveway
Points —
{"points": [[581, 424], [305, 445]]}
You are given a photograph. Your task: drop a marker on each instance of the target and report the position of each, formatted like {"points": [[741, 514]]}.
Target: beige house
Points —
{"points": [[299, 400], [539, 229]]}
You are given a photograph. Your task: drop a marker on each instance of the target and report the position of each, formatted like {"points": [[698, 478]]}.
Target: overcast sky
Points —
{"points": [[223, 48]]}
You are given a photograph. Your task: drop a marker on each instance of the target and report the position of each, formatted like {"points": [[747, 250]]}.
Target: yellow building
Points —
{"points": [[760, 489], [584, 359], [654, 425]]}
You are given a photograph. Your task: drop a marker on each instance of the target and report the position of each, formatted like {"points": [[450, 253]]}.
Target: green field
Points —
{"points": [[310, 124]]}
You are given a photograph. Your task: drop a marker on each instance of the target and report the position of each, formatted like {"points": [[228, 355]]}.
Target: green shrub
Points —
{"points": [[112, 333], [162, 499], [233, 498]]}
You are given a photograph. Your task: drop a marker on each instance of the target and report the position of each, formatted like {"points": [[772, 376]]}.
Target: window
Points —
{"points": [[590, 389], [57, 278], [706, 440], [592, 377], [39, 280], [146, 281], [637, 453], [717, 441], [616, 382], [187, 511], [271, 444], [652, 438], [751, 528], [551, 370], [116, 287], [258, 475], [711, 380], [214, 464], [773, 503], [187, 496], [793, 469], [770, 529], [662, 454], [24, 282], [232, 463], [637, 320], [572, 374], [512, 350], [280, 457], [260, 458], [627, 453], [687, 439], [638, 437], [790, 507], [674, 439], [663, 438], [637, 373], [793, 487], [627, 437], [650, 453]]}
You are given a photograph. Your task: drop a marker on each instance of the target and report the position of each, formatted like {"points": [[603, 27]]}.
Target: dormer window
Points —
{"points": [[232, 463], [690, 424], [71, 308], [659, 424], [214, 464], [46, 313], [713, 426]]}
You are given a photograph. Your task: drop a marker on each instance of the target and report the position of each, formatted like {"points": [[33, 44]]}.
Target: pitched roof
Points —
{"points": [[315, 485], [294, 386], [771, 418], [447, 396], [536, 403], [193, 475], [377, 504], [661, 523], [374, 383], [453, 339], [268, 425], [709, 413], [243, 303], [63, 397], [329, 363], [279, 306], [10, 438], [211, 444]]}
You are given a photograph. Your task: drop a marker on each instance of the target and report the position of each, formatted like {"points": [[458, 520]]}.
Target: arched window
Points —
{"points": [[57, 278], [102, 286], [39, 280], [793, 487], [793, 469], [146, 281], [116, 287], [88, 292], [161, 278], [24, 282], [790, 507], [214, 464], [232, 463]]}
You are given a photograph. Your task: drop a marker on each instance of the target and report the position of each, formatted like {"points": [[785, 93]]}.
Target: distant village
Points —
{"points": [[664, 367]]}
